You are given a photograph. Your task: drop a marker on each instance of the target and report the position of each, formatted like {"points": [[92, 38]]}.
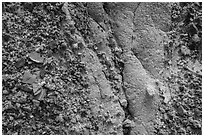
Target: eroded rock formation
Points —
{"points": [[101, 68], [134, 33], [137, 32]]}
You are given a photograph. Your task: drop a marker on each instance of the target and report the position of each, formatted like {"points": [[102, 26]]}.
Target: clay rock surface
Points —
{"points": [[104, 102], [151, 21], [105, 105], [138, 29], [95, 68]]}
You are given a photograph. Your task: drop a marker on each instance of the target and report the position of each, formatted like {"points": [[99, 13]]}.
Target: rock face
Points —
{"points": [[134, 33], [101, 68], [151, 22], [105, 104], [104, 101], [138, 32]]}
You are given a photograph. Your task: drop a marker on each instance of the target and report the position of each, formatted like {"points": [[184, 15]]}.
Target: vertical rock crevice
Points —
{"points": [[139, 84], [116, 26]]}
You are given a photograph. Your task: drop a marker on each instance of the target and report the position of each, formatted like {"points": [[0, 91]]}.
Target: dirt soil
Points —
{"points": [[94, 69]]}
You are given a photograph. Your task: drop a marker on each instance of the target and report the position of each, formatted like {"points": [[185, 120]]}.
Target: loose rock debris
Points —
{"points": [[101, 68]]}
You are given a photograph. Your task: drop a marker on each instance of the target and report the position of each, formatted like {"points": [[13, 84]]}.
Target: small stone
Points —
{"points": [[111, 68], [36, 57], [75, 45], [185, 50], [109, 121], [9, 105], [71, 23], [118, 77], [75, 110], [18, 105], [86, 132], [42, 73], [26, 88], [80, 45], [79, 53], [100, 117], [181, 110], [195, 38], [28, 77], [27, 20], [113, 120], [36, 102], [115, 98], [113, 132], [73, 120], [41, 94], [20, 63], [36, 88], [31, 116], [151, 90], [66, 118], [5, 37], [128, 123], [5, 92], [118, 114], [27, 108], [78, 117], [60, 118], [101, 106], [16, 133], [123, 103], [50, 86], [165, 116], [117, 49]]}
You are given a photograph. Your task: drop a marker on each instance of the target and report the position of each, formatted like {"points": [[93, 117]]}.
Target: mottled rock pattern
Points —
{"points": [[138, 29]]}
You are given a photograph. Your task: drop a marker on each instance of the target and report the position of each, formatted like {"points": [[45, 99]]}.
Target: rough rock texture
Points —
{"points": [[139, 31], [151, 21], [105, 105], [121, 46]]}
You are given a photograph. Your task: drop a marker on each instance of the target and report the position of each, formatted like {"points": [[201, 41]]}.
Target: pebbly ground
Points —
{"points": [[93, 68]]}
